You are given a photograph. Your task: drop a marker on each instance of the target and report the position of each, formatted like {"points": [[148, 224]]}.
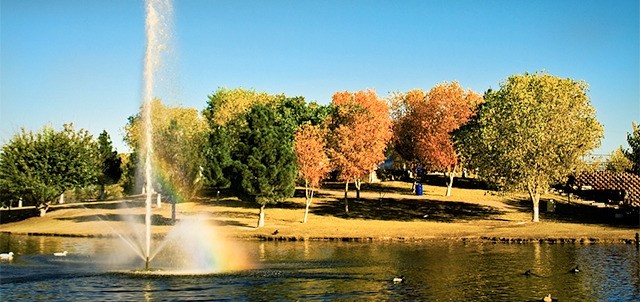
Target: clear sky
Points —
{"points": [[81, 61]]}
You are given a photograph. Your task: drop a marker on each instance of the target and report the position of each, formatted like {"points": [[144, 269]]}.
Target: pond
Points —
{"points": [[291, 271]]}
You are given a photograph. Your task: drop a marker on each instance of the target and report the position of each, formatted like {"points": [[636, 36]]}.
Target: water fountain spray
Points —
{"points": [[158, 35]]}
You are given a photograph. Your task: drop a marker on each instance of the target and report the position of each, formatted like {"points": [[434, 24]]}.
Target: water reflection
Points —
{"points": [[439, 271], [147, 291]]}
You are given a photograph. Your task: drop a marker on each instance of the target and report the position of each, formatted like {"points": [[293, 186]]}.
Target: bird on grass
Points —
{"points": [[574, 270], [397, 280], [60, 254], [6, 256]]}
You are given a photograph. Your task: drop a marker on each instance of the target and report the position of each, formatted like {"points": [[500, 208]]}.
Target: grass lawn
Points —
{"points": [[386, 211]]}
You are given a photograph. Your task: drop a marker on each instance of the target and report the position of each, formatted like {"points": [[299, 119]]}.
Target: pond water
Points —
{"points": [[303, 271]]}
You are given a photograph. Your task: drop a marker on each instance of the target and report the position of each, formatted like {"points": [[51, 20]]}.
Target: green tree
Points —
{"points": [[110, 162], [292, 112], [533, 132], [217, 158], [264, 165], [618, 162], [225, 127], [633, 139], [39, 167], [225, 105], [131, 177], [179, 136]]}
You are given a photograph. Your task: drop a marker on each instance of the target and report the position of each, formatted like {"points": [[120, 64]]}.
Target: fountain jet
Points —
{"points": [[158, 16]]}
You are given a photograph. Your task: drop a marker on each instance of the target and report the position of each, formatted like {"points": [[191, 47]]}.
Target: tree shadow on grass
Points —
{"points": [[407, 210], [230, 223], [238, 203], [579, 213], [234, 214], [379, 188], [138, 218], [232, 202], [102, 205], [366, 187], [458, 182], [519, 204]]}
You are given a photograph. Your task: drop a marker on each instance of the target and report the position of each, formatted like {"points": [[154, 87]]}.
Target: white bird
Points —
{"points": [[6, 256], [60, 254], [398, 280]]}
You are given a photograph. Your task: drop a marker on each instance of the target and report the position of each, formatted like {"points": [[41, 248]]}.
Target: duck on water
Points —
{"points": [[6, 256]]}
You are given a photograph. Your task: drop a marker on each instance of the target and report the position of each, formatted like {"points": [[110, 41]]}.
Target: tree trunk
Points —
{"points": [[308, 203], [102, 192], [452, 173], [173, 210], [358, 184], [261, 217], [449, 184], [535, 199], [346, 200], [42, 208], [308, 197]]}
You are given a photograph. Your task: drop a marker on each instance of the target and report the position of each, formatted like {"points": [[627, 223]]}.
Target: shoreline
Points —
{"points": [[372, 239]]}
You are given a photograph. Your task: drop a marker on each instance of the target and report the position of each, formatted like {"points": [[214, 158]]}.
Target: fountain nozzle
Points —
{"points": [[146, 264]]}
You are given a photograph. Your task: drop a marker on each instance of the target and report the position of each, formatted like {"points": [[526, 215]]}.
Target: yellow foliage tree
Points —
{"points": [[534, 132], [178, 136]]}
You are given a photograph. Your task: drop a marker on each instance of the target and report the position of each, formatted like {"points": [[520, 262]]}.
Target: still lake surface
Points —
{"points": [[304, 271]]}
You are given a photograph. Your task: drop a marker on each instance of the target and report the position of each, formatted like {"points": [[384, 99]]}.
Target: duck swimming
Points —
{"points": [[574, 270], [397, 280], [6, 256], [63, 254]]}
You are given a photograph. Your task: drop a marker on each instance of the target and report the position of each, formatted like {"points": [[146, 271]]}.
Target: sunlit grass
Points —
{"points": [[386, 211]]}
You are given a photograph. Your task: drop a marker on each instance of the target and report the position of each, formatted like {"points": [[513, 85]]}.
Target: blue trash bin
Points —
{"points": [[419, 189]]}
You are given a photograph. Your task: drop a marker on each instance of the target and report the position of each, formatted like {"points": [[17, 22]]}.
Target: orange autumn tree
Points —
{"points": [[312, 159], [425, 124], [360, 127], [404, 130]]}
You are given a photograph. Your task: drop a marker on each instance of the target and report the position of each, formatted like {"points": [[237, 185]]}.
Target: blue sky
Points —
{"points": [[80, 61]]}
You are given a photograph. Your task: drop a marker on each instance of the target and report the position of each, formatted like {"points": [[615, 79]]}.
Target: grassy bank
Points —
{"points": [[387, 211]]}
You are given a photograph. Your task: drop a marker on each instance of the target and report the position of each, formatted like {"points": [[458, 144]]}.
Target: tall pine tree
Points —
{"points": [[110, 170], [264, 165]]}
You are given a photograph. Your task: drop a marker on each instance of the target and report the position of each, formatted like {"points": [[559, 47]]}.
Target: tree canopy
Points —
{"points": [[39, 167], [225, 104], [217, 158], [618, 162], [311, 157], [225, 121], [264, 166], [533, 132], [360, 128], [424, 124], [179, 136], [633, 154], [110, 163]]}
